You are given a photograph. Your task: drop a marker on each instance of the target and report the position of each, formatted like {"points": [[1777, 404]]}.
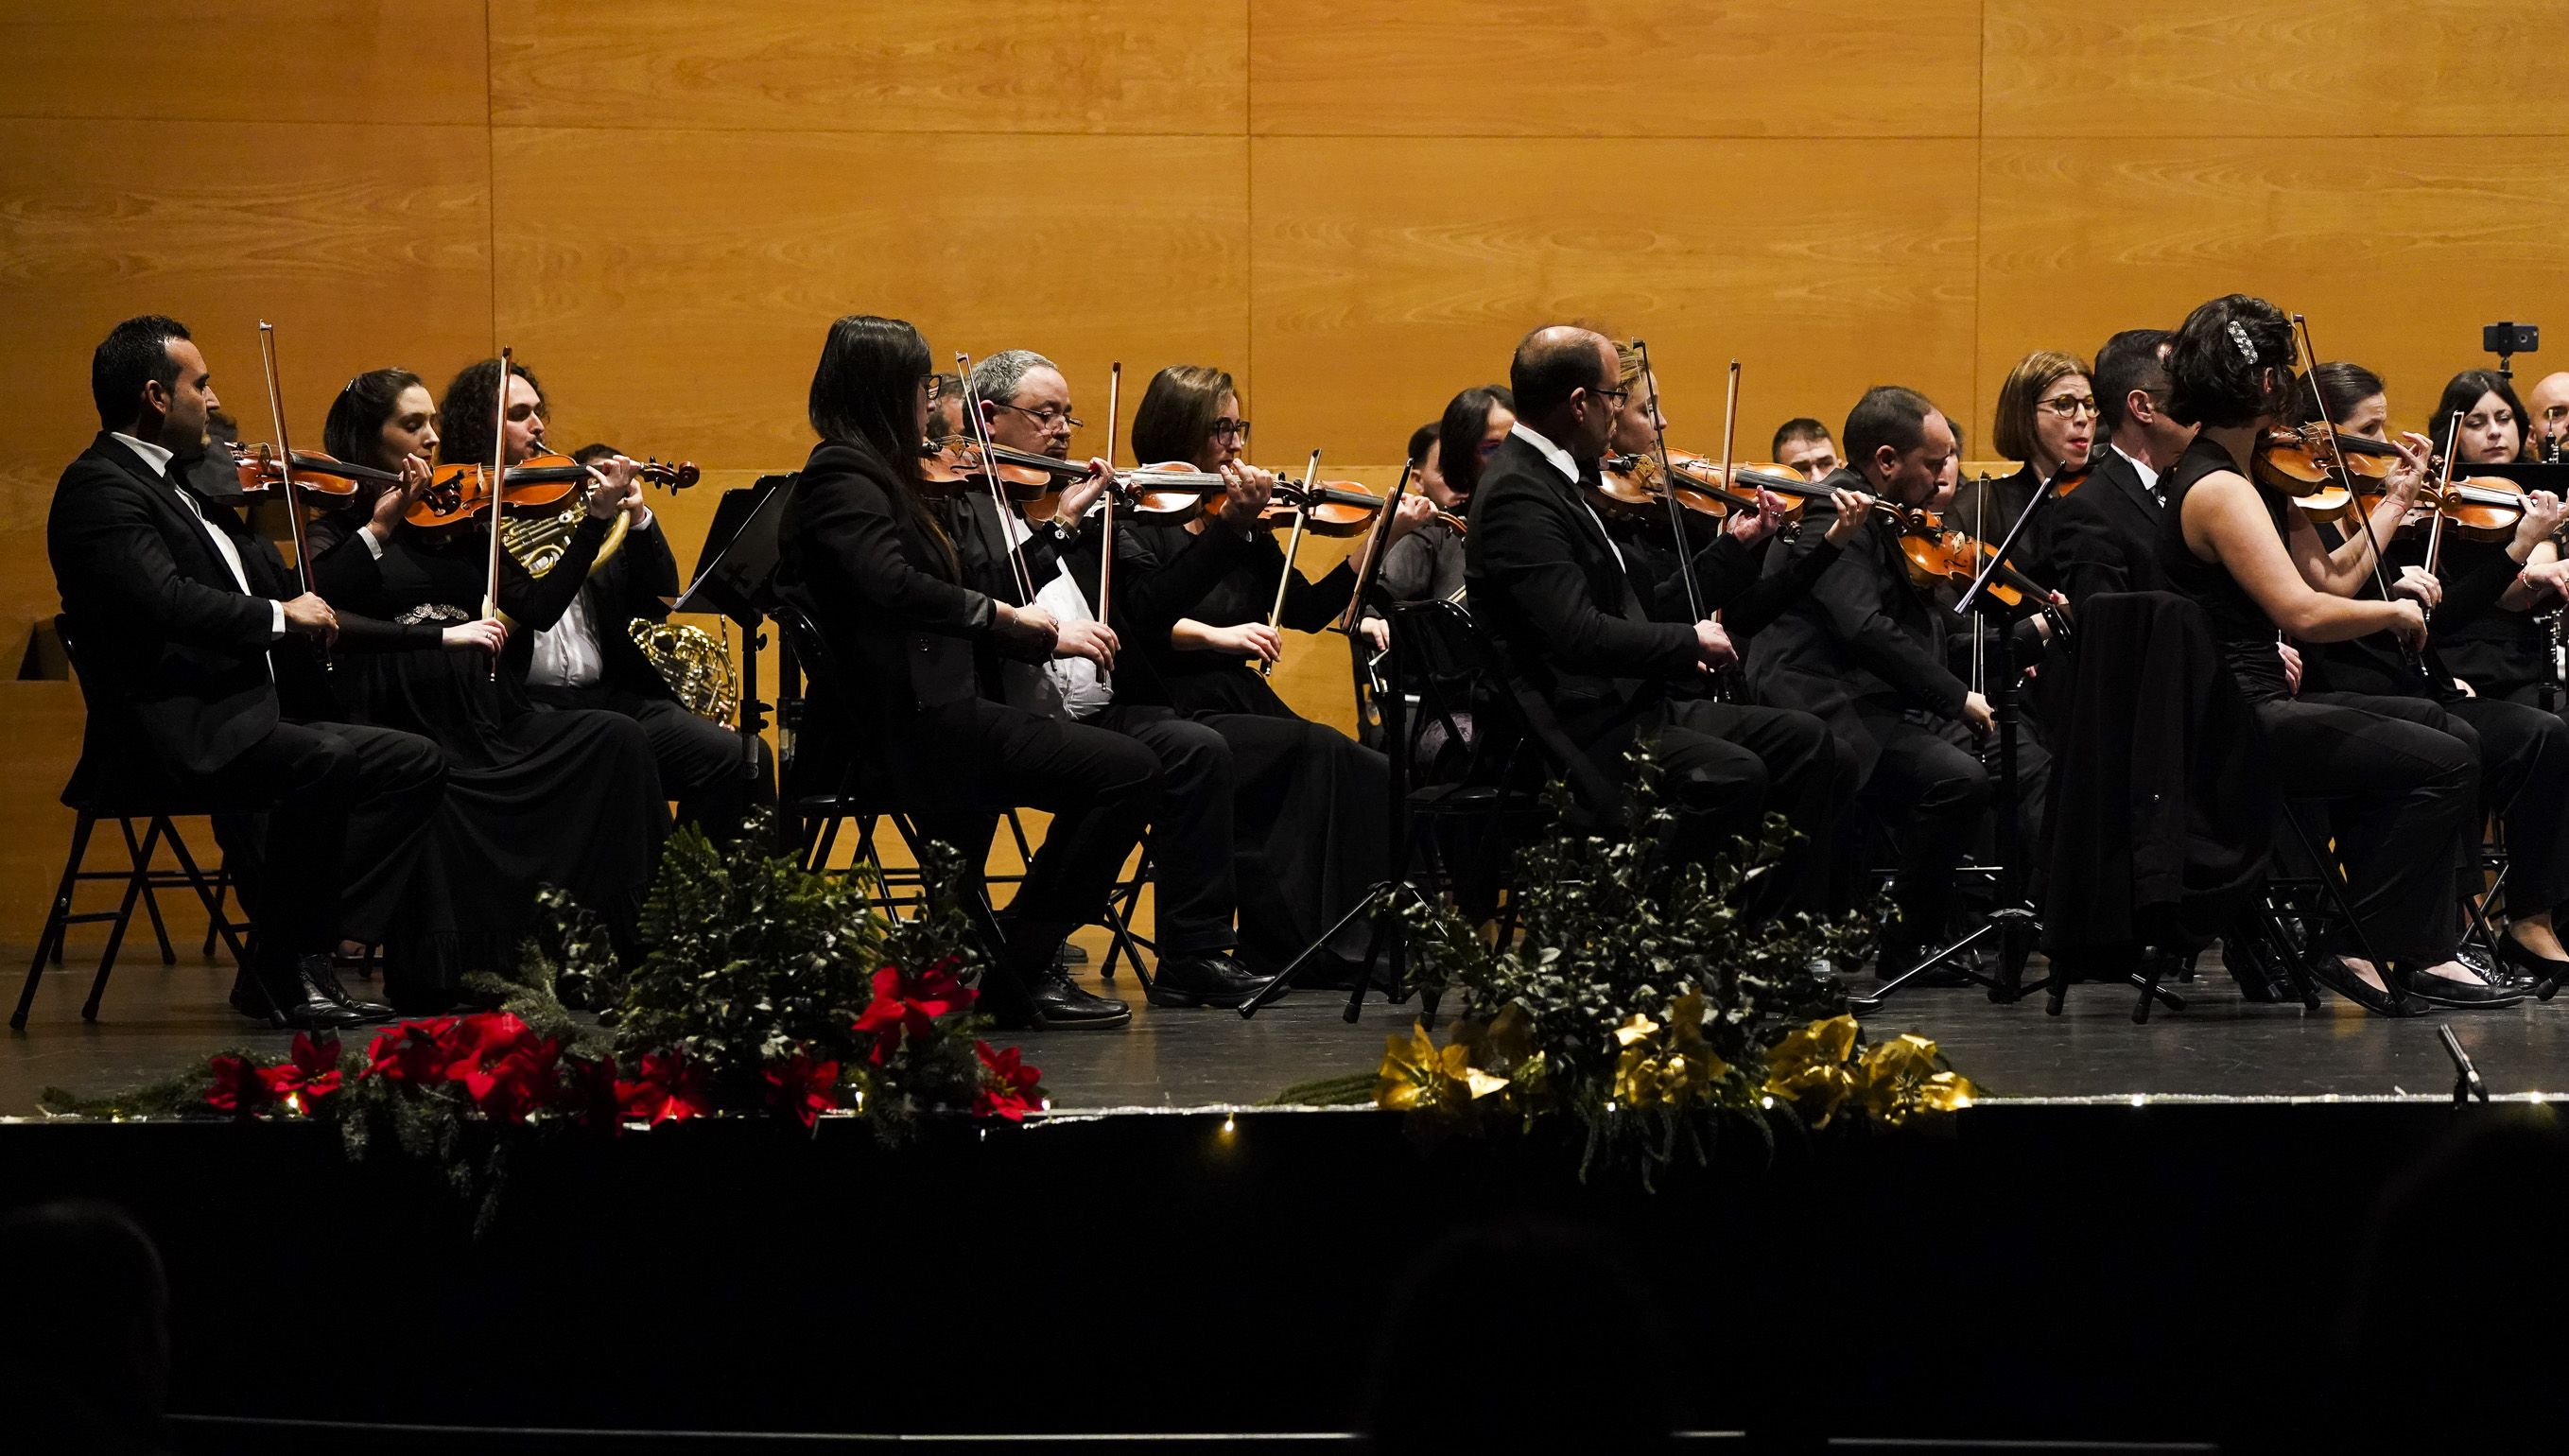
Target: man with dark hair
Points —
{"points": [[1585, 658], [2105, 534], [1804, 444], [1864, 651], [183, 624]]}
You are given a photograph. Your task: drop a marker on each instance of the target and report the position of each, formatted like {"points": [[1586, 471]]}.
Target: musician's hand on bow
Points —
{"points": [[1378, 632], [2419, 585], [2292, 667], [2408, 623], [486, 634], [1092, 640], [1253, 639], [1977, 715], [1713, 648], [1854, 509], [309, 616]]}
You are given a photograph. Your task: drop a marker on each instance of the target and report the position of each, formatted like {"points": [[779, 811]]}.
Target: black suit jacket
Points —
{"points": [[639, 583], [1581, 655], [172, 653], [1862, 642], [2105, 534]]}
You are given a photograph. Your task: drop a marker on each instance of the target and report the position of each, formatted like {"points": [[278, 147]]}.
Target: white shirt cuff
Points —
{"points": [[277, 626], [374, 543], [645, 522]]}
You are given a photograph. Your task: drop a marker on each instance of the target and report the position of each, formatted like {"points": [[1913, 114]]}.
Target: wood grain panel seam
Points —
{"points": [[664, 127]]}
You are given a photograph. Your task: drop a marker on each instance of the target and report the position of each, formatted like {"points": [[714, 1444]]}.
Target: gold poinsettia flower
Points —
{"points": [[1808, 1068], [1412, 1074]]}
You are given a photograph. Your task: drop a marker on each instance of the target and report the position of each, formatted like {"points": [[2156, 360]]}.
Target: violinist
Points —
{"points": [[1025, 405], [1427, 563], [2401, 797], [2045, 418], [185, 622], [1804, 444], [533, 798], [945, 411], [1191, 413], [2489, 637], [1592, 666], [2105, 534], [588, 659], [1320, 847], [1865, 650], [2523, 752], [862, 554]]}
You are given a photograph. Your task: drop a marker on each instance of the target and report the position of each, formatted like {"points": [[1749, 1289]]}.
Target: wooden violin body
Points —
{"points": [[459, 492]]}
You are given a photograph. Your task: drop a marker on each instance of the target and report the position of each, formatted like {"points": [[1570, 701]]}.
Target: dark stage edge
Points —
{"points": [[2055, 1264]]}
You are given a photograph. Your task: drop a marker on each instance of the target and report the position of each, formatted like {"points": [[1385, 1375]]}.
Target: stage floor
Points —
{"points": [[157, 1019]]}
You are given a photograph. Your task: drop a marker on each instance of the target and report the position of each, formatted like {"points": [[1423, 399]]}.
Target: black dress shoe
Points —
{"points": [[1060, 1005], [2334, 973], [318, 971], [1204, 981], [287, 996], [1069, 955], [2543, 974], [2461, 995]]}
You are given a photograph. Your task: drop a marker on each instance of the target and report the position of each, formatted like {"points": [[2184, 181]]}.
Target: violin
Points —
{"points": [[260, 470], [457, 492], [1950, 557], [2477, 508], [1631, 486], [1327, 508], [2302, 463]]}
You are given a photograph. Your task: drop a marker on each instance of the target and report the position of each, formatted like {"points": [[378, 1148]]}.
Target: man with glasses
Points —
{"points": [[1024, 404], [2550, 406], [2105, 534], [1590, 664]]}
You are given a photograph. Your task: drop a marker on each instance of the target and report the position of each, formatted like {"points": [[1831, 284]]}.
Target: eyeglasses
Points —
{"points": [[1047, 417], [2070, 407], [1617, 395], [934, 385], [1221, 428]]}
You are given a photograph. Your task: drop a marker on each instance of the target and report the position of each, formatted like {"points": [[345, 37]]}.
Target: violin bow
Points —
{"points": [[2345, 477], [285, 470], [1668, 475], [1106, 533], [1292, 547], [498, 480], [990, 477], [1369, 561], [2443, 494]]}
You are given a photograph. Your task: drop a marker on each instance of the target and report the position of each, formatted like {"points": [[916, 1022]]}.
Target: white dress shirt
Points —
{"points": [[159, 459], [1072, 683], [1569, 469], [568, 654]]}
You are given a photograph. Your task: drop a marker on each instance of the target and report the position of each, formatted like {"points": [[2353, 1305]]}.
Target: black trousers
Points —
{"points": [[1196, 889], [2402, 799], [964, 763], [2524, 781], [1932, 788], [1726, 766], [700, 761], [342, 814]]}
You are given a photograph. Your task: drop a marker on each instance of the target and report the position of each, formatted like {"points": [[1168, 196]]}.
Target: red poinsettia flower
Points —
{"points": [[801, 1086], [239, 1088], [414, 1053], [907, 1005], [311, 1074], [1009, 1088], [501, 1064], [669, 1089], [588, 1092]]}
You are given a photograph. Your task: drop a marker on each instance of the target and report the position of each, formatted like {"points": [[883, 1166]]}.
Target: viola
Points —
{"points": [[457, 492], [1952, 557], [259, 470]]}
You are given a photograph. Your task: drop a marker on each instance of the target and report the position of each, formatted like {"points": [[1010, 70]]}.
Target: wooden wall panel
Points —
{"points": [[363, 245], [1164, 66], [1596, 67], [1392, 272], [2395, 256], [694, 327], [2277, 68], [337, 61]]}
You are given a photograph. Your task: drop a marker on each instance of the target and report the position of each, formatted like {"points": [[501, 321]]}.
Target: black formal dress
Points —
{"points": [[2500, 651], [1588, 670], [2105, 534], [900, 708], [702, 763], [2402, 794], [322, 823], [1865, 651], [533, 798], [1308, 819]]}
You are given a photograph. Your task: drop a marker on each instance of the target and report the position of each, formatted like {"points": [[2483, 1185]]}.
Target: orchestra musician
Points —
{"points": [[1804, 444], [862, 554], [588, 659], [2488, 637], [1592, 664], [2045, 419], [2549, 419], [568, 799], [1865, 650], [2105, 534], [194, 648], [1223, 776], [2401, 797], [1427, 563], [2523, 752]]}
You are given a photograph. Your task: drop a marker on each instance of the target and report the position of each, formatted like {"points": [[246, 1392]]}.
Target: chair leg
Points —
{"points": [[210, 893], [161, 826], [48, 942], [222, 883], [133, 888]]}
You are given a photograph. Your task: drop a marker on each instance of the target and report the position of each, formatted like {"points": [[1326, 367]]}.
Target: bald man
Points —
{"points": [[2550, 406], [1590, 665]]}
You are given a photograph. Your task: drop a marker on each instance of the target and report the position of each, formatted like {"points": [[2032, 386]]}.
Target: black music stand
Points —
{"points": [[736, 578]]}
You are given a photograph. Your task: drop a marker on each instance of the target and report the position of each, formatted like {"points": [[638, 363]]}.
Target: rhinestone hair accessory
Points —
{"points": [[2239, 336]]}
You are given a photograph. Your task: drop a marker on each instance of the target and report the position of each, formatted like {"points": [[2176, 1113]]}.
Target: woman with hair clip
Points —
{"points": [[863, 556], [2401, 797], [1190, 414], [2523, 752], [532, 799]]}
